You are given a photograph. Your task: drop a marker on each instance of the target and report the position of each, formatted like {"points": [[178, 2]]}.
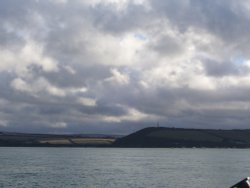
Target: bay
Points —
{"points": [[119, 167]]}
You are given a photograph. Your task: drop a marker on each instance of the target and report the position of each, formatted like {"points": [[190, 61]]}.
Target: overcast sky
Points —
{"points": [[115, 66]]}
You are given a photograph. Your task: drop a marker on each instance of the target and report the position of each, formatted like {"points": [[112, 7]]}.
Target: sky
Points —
{"points": [[116, 66]]}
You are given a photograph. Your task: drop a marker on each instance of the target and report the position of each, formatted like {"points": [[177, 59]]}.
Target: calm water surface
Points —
{"points": [[114, 168]]}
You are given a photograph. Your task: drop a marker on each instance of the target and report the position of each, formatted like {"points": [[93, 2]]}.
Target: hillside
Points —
{"points": [[173, 137]]}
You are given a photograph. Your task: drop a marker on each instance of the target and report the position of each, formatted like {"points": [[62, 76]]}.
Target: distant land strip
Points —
{"points": [[53, 140], [152, 137]]}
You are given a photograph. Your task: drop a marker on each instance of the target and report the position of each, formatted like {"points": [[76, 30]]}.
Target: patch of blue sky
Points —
{"points": [[239, 60], [140, 37]]}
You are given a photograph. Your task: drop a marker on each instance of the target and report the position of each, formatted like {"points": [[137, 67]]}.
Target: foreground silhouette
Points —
{"points": [[245, 183]]}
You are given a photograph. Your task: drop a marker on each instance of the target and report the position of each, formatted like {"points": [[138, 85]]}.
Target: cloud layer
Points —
{"points": [[115, 66]]}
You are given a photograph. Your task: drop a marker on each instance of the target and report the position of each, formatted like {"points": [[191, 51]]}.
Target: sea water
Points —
{"points": [[115, 167]]}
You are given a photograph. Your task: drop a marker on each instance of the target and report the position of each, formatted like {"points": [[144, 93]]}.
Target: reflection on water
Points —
{"points": [[113, 168]]}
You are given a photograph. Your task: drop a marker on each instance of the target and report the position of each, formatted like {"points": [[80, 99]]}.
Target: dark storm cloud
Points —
{"points": [[118, 66]]}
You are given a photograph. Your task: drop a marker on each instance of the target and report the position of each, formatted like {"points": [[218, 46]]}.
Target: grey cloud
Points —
{"points": [[108, 18], [126, 97], [215, 68], [103, 110], [168, 46], [223, 18], [83, 74]]}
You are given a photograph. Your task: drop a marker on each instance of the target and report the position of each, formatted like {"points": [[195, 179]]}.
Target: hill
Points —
{"points": [[176, 138]]}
